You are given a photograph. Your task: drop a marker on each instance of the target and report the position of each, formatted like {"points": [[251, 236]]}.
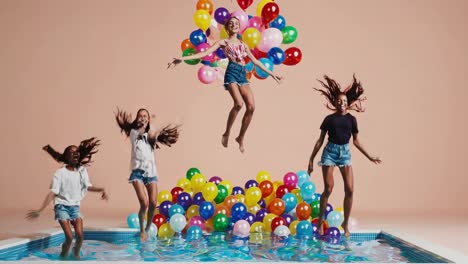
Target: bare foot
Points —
{"points": [[224, 140], [241, 144], [346, 231], [143, 236], [320, 228], [76, 253]]}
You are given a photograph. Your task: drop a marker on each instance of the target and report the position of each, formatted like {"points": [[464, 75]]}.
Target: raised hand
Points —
{"points": [[173, 63]]}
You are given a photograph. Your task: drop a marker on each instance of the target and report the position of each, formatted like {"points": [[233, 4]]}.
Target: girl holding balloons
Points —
{"points": [[340, 126], [235, 77]]}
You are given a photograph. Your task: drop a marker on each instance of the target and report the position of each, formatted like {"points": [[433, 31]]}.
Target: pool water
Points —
{"points": [[118, 246]]}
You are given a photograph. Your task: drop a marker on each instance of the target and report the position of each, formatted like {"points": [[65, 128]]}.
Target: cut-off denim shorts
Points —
{"points": [[336, 155], [138, 175], [235, 73], [67, 212]]}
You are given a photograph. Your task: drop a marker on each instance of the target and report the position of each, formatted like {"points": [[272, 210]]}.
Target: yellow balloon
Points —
{"points": [[254, 209], [228, 185], [210, 191], [223, 63], [293, 227], [192, 211], [240, 198], [223, 33], [267, 221], [261, 5], [164, 196], [252, 196], [256, 238], [257, 227], [263, 176], [202, 19], [198, 181], [277, 184], [165, 231], [340, 210], [298, 195], [251, 37], [269, 199], [184, 183]]}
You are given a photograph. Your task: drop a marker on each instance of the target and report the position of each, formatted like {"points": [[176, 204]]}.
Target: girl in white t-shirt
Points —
{"points": [[68, 188], [142, 164]]}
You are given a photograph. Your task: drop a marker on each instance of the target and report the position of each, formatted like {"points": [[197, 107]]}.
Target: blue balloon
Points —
{"points": [[279, 22], [290, 201], [198, 198], [249, 217], [249, 66], [197, 37], [304, 229], [207, 63], [206, 210], [307, 190], [176, 209], [302, 176], [251, 183], [268, 64], [238, 211], [276, 55], [194, 233], [262, 203], [237, 190], [164, 208], [133, 221], [316, 197], [220, 53]]}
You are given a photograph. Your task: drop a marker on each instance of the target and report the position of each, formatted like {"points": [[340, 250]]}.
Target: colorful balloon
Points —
{"points": [[293, 56]]}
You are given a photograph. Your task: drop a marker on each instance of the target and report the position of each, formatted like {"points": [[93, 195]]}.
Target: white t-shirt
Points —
{"points": [[70, 187], [142, 154]]}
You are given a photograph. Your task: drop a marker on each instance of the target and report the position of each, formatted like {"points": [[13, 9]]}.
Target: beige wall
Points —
{"points": [[66, 65]]}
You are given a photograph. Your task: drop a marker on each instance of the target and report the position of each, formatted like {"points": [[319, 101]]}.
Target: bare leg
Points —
{"points": [[248, 97], [143, 200], [348, 178], [78, 225], [328, 182], [152, 189], [237, 98], [65, 224]]}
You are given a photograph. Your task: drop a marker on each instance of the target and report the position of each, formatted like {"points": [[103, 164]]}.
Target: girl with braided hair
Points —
{"points": [[68, 188], [143, 166], [340, 126]]}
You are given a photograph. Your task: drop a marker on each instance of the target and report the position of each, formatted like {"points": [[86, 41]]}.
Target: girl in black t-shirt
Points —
{"points": [[339, 126]]}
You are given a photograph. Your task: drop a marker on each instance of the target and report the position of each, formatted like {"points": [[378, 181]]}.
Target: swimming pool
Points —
{"points": [[122, 245]]}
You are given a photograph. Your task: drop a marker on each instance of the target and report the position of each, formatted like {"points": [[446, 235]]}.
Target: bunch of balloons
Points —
{"points": [[263, 33], [284, 207]]}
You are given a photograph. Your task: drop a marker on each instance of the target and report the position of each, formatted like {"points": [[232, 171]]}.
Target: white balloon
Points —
{"points": [[178, 222], [282, 231]]}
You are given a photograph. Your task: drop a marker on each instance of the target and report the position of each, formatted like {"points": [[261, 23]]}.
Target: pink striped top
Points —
{"points": [[235, 52]]}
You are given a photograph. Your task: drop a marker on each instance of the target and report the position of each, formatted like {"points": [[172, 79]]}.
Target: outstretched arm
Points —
{"points": [[104, 195], [200, 55], [317, 147], [33, 214], [254, 60], [361, 148]]}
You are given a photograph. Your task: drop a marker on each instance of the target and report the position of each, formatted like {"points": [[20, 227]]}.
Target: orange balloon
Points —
{"points": [[248, 75], [222, 209], [186, 43], [303, 211], [230, 201], [206, 5], [266, 186], [277, 206]]}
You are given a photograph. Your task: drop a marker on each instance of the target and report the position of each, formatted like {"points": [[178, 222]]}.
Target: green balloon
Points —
{"points": [[315, 205], [191, 172], [188, 52], [289, 34], [220, 222], [222, 194]]}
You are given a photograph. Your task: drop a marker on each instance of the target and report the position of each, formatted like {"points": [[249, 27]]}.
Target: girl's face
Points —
{"points": [[232, 26], [342, 103], [142, 118], [72, 155]]}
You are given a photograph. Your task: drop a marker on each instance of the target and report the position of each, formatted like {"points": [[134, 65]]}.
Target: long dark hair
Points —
{"points": [[87, 149], [168, 136], [333, 90]]}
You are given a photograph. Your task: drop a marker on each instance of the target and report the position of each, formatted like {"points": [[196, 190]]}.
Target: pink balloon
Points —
{"points": [[197, 221], [271, 37], [290, 180], [256, 22], [243, 19], [207, 74], [202, 47], [241, 228]]}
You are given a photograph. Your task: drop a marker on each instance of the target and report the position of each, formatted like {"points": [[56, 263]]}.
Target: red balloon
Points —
{"points": [[293, 56], [258, 54], [175, 192], [324, 224], [269, 12], [159, 220], [282, 190], [277, 221], [244, 4], [266, 187]]}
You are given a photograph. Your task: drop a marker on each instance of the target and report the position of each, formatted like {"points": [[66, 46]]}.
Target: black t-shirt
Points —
{"points": [[339, 127]]}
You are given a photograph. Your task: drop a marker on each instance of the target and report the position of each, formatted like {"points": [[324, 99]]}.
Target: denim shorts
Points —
{"points": [[67, 212], [137, 175], [235, 73], [336, 155]]}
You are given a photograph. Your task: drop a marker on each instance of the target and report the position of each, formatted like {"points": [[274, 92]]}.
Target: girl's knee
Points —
{"points": [[238, 106], [152, 204]]}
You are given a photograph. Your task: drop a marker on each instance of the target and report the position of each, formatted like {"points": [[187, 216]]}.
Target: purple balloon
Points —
{"points": [[287, 218], [164, 208], [333, 232], [237, 190], [215, 179], [221, 15], [185, 200], [261, 214], [262, 203], [315, 229], [251, 183], [249, 217], [328, 210], [198, 198]]}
